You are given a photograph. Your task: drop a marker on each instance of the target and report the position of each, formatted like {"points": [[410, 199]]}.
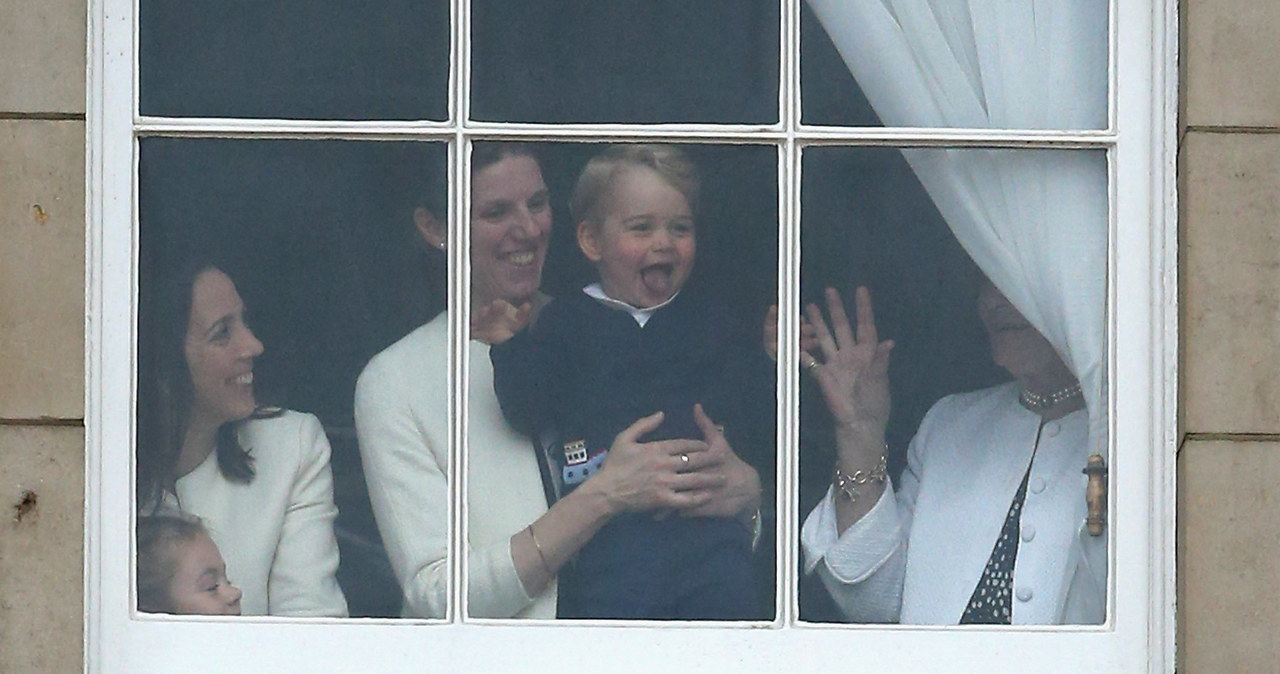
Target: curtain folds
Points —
{"points": [[1035, 221]]}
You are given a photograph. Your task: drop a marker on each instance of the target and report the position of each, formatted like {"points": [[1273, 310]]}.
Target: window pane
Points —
{"points": [[924, 63], [637, 61], [319, 241], [963, 375], [331, 59], [697, 266]]}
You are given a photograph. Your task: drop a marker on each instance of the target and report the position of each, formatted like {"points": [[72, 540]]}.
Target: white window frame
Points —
{"points": [[1141, 348]]}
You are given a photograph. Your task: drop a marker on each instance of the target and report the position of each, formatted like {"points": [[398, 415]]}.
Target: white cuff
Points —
{"points": [[863, 548]]}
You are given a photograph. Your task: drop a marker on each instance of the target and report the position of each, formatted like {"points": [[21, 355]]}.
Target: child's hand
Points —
{"points": [[499, 321], [771, 332], [808, 334]]}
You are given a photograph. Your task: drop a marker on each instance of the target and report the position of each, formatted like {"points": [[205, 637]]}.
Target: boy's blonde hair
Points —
{"points": [[668, 161]]}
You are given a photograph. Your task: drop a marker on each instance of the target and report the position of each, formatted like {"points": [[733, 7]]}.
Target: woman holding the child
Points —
{"points": [[517, 544], [258, 477], [635, 342]]}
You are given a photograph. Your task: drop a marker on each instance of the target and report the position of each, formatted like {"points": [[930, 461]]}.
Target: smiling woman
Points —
{"points": [[520, 533], [220, 349], [259, 477], [510, 226]]}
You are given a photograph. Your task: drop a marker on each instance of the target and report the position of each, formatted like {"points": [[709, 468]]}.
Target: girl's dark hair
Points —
{"points": [[157, 537], [165, 393]]}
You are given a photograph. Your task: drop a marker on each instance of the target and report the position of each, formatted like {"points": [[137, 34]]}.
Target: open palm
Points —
{"points": [[852, 369]]}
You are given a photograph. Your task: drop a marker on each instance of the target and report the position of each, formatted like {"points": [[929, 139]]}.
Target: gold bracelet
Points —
{"points": [[538, 546], [848, 483]]}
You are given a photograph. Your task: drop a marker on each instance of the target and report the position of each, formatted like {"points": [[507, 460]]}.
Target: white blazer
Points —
{"points": [[402, 420], [276, 532], [918, 554]]}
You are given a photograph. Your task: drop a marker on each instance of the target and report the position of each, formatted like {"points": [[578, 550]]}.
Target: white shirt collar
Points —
{"points": [[596, 292]]}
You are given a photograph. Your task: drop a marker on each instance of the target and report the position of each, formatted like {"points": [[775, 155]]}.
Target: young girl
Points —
{"points": [[180, 569]]}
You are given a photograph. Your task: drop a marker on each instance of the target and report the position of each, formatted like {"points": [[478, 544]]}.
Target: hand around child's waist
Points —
{"points": [[696, 478]]}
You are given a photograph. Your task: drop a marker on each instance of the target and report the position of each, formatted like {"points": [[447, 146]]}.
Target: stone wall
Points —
{"points": [[42, 178], [1229, 461]]}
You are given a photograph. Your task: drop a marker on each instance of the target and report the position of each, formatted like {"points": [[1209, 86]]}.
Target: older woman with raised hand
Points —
{"points": [[258, 477], [516, 543], [986, 524]]}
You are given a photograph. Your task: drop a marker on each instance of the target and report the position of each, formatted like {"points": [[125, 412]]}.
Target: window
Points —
{"points": [[197, 116]]}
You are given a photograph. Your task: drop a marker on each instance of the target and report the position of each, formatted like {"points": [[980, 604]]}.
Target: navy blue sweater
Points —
{"points": [[588, 371]]}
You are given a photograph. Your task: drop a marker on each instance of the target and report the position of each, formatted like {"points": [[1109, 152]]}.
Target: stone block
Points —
{"points": [[1230, 54], [42, 47], [1228, 557], [41, 548], [42, 227], [1230, 276]]}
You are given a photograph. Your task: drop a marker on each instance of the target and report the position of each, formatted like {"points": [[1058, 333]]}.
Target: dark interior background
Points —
{"points": [[294, 59], [638, 61], [317, 233]]}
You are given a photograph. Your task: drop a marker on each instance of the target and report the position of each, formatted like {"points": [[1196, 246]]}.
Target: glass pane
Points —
{"points": [[924, 63], [331, 59], [660, 295], [316, 241], [969, 394], [637, 61]]}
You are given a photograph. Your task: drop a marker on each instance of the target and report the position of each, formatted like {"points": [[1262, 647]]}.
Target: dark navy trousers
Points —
{"points": [[674, 568]]}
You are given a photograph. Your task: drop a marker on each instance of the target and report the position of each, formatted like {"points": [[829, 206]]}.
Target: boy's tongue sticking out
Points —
{"points": [[644, 244], [657, 280]]}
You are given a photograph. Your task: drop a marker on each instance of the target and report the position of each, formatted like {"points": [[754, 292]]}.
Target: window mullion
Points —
{"points": [[788, 393], [300, 129], [459, 300]]}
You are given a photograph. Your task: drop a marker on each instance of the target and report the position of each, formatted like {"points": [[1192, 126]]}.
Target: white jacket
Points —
{"points": [[276, 532], [918, 554], [402, 421]]}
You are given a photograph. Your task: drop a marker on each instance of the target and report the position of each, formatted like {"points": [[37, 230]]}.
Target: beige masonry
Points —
{"points": [[42, 178], [42, 269], [1229, 465], [1228, 498], [41, 565]]}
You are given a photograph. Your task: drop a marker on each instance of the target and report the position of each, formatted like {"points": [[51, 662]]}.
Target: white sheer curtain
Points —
{"points": [[1034, 220]]}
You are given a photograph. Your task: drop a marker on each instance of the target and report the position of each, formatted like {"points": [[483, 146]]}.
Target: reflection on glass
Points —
{"points": [[983, 332], [314, 59], [662, 268], [270, 272], [1039, 64], [625, 61]]}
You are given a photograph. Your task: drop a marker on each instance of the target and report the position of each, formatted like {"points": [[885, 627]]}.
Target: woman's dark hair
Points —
{"points": [[158, 535], [487, 153], [165, 393]]}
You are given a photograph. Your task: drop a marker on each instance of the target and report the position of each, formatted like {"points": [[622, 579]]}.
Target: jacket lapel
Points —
{"points": [[964, 500]]}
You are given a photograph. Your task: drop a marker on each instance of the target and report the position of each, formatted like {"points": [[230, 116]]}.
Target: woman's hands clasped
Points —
{"points": [[696, 478]]}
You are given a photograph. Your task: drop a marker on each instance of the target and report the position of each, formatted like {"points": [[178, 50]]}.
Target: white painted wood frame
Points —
{"points": [[1142, 357]]}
